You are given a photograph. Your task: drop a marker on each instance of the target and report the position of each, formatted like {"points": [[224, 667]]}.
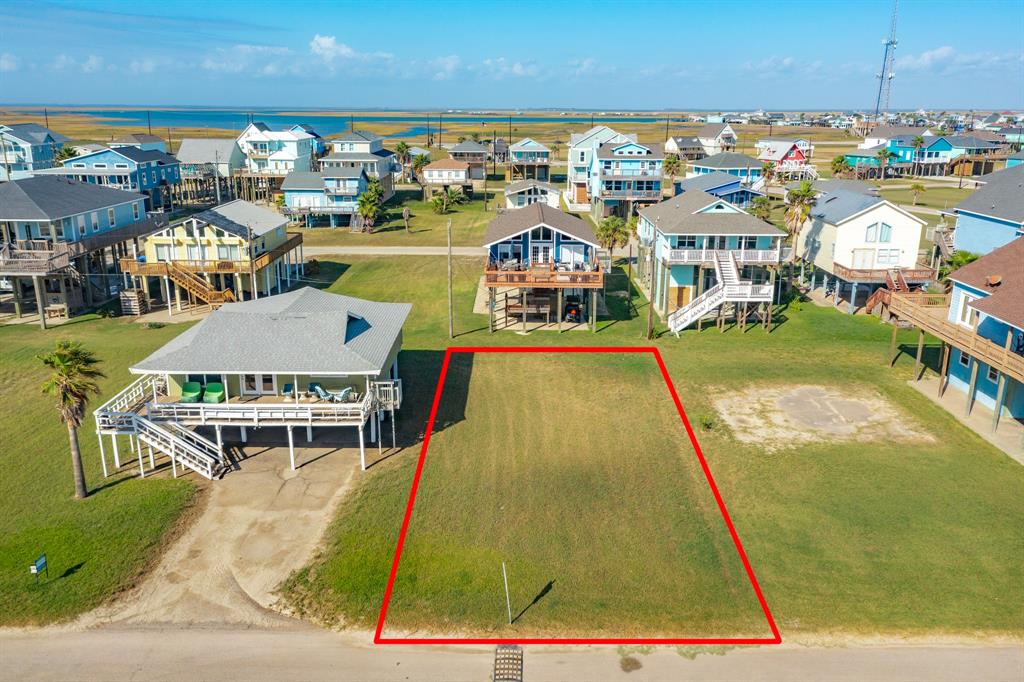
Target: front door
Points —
{"points": [[259, 384], [863, 259]]}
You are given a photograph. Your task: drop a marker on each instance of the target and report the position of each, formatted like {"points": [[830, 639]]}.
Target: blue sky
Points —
{"points": [[820, 54]]}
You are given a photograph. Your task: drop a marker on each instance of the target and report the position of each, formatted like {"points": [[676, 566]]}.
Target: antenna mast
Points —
{"points": [[886, 75]]}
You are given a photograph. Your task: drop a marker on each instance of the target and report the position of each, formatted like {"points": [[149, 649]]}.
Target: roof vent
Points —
{"points": [[994, 280]]}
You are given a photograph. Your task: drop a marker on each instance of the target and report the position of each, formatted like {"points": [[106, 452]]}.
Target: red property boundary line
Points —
{"points": [[379, 639]]}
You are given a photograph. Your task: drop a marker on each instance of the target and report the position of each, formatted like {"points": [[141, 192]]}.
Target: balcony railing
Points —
{"points": [[631, 173], [630, 194], [930, 312], [766, 256], [339, 209], [529, 160], [132, 266], [34, 257], [264, 414], [915, 274], [543, 276]]}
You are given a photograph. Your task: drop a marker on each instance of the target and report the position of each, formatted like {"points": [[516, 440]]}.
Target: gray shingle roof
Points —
{"points": [[468, 146], [836, 206], [521, 185], [359, 156], [604, 151], [147, 155], [687, 142], [519, 220], [711, 130], [356, 136], [50, 197], [238, 215], [728, 160], [838, 184], [679, 215], [35, 133], [706, 181], [306, 331], [303, 180], [1002, 196], [196, 150]]}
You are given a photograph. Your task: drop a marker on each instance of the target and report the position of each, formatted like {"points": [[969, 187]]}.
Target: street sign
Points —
{"points": [[39, 566]]}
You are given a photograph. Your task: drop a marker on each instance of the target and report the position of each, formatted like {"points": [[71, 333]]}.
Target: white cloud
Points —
{"points": [[500, 67], [771, 65], [329, 48], [266, 60], [8, 62], [444, 68], [946, 61], [583, 67], [142, 66], [90, 64]]}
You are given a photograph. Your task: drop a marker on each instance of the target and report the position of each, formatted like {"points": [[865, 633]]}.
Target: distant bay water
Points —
{"points": [[235, 119]]}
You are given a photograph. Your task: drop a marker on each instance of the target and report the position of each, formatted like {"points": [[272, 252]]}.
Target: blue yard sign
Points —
{"points": [[39, 566]]}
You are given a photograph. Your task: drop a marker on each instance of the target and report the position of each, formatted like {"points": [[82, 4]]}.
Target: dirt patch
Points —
{"points": [[779, 417]]}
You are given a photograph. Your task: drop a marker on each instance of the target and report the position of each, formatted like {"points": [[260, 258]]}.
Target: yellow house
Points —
{"points": [[235, 251]]}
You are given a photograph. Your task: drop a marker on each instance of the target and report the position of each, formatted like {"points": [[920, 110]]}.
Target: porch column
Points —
{"points": [[309, 433], [242, 433], [302, 262], [142, 467], [266, 280], [167, 296], [220, 439], [85, 278], [920, 352], [277, 271], [490, 309], [853, 296], [1001, 387], [943, 367], [972, 386], [593, 310], [373, 428], [117, 455], [103, 455], [814, 278], [362, 449], [295, 388], [37, 283], [16, 289], [291, 446], [224, 383], [560, 293]]}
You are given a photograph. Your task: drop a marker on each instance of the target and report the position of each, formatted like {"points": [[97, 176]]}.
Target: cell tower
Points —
{"points": [[886, 75]]}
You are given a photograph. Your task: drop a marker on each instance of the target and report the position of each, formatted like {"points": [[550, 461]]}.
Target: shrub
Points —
{"points": [[629, 664], [707, 422]]}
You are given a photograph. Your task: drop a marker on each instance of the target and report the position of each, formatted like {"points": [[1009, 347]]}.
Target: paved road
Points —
{"points": [[393, 251], [303, 652]]}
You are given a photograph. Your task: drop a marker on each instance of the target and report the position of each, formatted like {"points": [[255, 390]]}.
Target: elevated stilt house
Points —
{"points": [[544, 262], [304, 359]]}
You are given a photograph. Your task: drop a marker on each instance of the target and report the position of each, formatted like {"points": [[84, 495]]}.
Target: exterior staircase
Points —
{"points": [[181, 445], [895, 283], [198, 287], [730, 288]]}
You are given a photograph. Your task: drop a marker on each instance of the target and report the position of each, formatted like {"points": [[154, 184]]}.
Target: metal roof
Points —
{"points": [[196, 150], [521, 185], [839, 205], [51, 197], [307, 331]]}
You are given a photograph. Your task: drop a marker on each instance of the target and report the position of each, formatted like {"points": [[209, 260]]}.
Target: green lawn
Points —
{"points": [[97, 546], [932, 197], [853, 537], [523, 473], [426, 228]]}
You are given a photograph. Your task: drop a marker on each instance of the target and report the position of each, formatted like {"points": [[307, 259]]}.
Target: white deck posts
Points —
{"points": [[295, 388], [362, 450], [380, 434], [142, 466], [373, 428], [302, 261], [309, 434], [152, 462], [291, 447], [220, 441], [103, 455], [245, 437], [117, 455], [167, 297]]}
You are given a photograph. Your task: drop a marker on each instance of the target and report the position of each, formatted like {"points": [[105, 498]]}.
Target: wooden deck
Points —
{"points": [[134, 267], [544, 276], [916, 274]]}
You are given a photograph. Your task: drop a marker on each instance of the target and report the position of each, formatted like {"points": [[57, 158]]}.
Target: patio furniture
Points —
{"points": [[214, 392], [311, 389], [191, 392], [288, 391], [333, 396]]}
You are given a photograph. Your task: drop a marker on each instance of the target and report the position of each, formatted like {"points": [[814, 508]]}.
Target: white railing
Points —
{"points": [[708, 255], [683, 317], [748, 292], [181, 445], [389, 394], [265, 414], [111, 415]]}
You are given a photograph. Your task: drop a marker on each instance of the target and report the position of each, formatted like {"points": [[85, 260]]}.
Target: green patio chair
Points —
{"points": [[191, 392], [214, 392]]}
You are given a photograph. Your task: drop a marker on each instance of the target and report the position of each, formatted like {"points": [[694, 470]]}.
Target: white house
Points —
{"points": [[445, 173], [717, 138], [856, 238], [582, 147], [275, 152], [525, 192], [363, 150]]}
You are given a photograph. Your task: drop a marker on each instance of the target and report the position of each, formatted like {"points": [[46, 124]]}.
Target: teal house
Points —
{"points": [[331, 194]]}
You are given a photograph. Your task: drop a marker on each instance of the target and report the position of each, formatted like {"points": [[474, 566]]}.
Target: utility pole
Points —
{"points": [[216, 174], [46, 117], [149, 123], [650, 303], [451, 311], [508, 600], [494, 146], [440, 129], [252, 265]]}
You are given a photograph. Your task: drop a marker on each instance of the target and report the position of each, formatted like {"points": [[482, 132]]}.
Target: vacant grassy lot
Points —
{"points": [[96, 546], [605, 532], [426, 228], [932, 197], [857, 537]]}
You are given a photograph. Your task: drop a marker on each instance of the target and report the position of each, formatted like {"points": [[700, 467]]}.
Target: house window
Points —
{"points": [[99, 165], [688, 241], [964, 312], [78, 165], [120, 165], [135, 211], [748, 242], [888, 257], [163, 252], [81, 224], [885, 234], [541, 234], [226, 252], [993, 374], [110, 217], [872, 233], [964, 359]]}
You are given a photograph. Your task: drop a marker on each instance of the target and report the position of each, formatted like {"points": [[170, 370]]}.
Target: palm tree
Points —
{"points": [[64, 153], [672, 166], [800, 200], [72, 382], [883, 160], [917, 143], [761, 208], [768, 171], [917, 189], [402, 152], [418, 162], [370, 203], [442, 202], [840, 166], [612, 232]]}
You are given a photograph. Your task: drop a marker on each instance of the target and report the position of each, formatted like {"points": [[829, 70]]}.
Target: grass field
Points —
{"points": [[605, 531], [96, 546], [426, 228], [858, 536], [932, 197]]}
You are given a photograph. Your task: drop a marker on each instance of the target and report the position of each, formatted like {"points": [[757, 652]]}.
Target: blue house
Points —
{"points": [[988, 299], [937, 152], [993, 215], [544, 261], [146, 171], [708, 253], [721, 185], [746, 168], [333, 192], [623, 175], [62, 238], [1015, 160], [27, 147]]}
